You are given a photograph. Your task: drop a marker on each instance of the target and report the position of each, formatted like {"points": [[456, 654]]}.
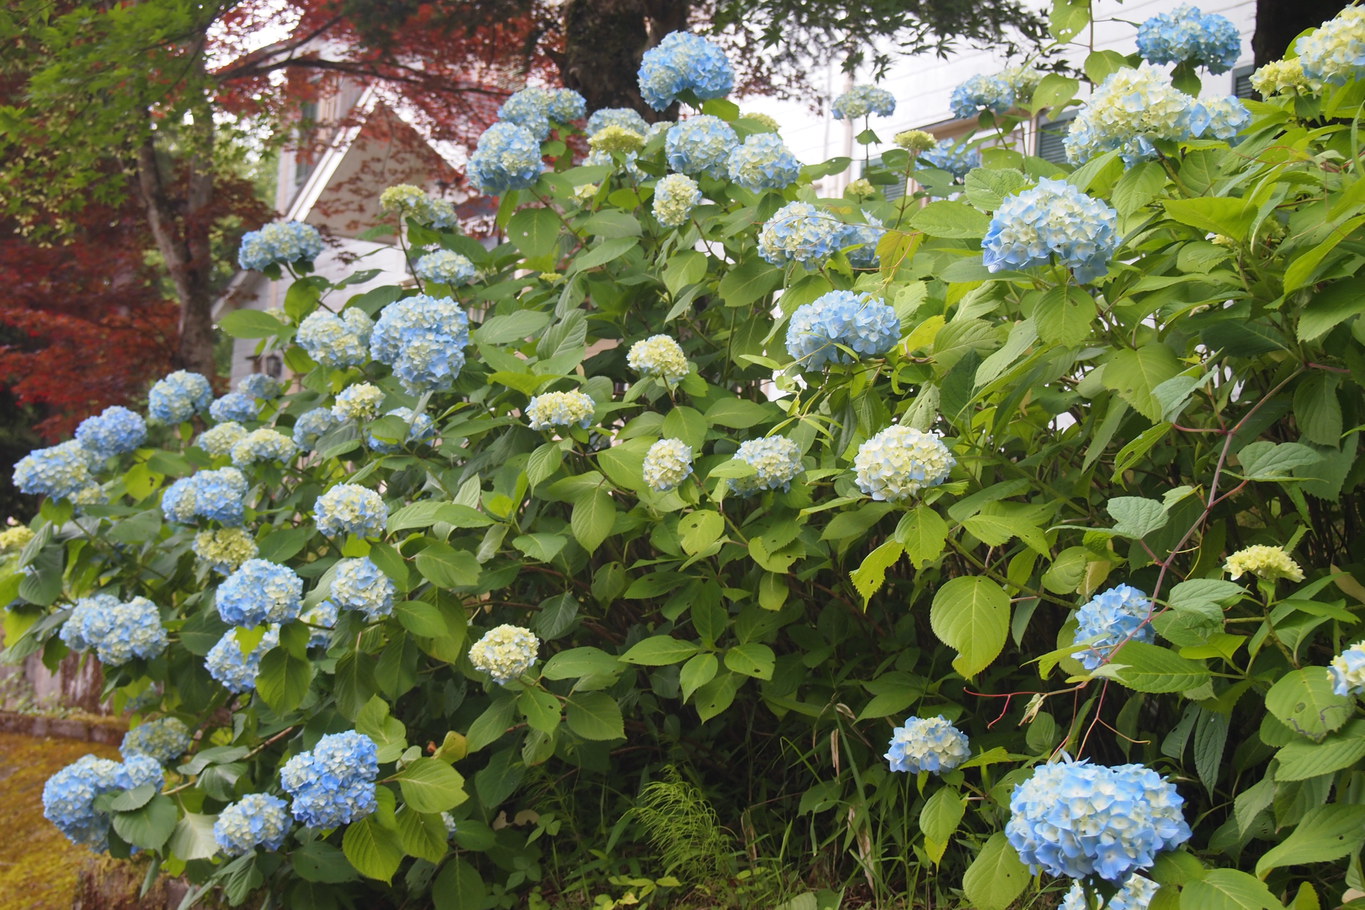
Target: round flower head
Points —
{"points": [[1187, 35], [333, 784], [763, 162], [507, 158], [799, 232], [560, 409], [534, 107], [423, 339], [1130, 110], [901, 461], [1348, 670], [504, 653], [235, 669], [115, 431], [60, 471], [323, 619], [1219, 118], [127, 630], [624, 117], [281, 242], [255, 820], [311, 426], [862, 100], [1136, 894], [1109, 619], [219, 439], [915, 140], [412, 202], [421, 428], [445, 267], [214, 495], [617, 139], [982, 93], [1023, 80], [164, 739], [776, 461], [658, 356], [336, 341], [260, 385], [359, 585], [1076, 819], [927, 744], [264, 444], [69, 795], [351, 509], [954, 157], [859, 242], [14, 539], [667, 464], [1052, 219], [700, 146], [225, 549], [234, 406], [861, 188], [178, 397], [260, 592], [684, 62], [88, 622], [818, 329], [1283, 77], [358, 402], [674, 198], [1263, 562]]}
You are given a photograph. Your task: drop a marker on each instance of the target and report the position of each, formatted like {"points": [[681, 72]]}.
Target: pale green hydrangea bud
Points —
{"points": [[659, 356], [674, 198], [616, 138], [915, 140]]}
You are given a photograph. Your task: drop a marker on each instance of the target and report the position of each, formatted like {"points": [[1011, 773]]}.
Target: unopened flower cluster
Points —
{"points": [[820, 330], [178, 397], [117, 631], [413, 202], [658, 356], [281, 242], [776, 461], [700, 146], [674, 198], [1136, 894], [260, 592], [616, 138], [333, 784], [1282, 77], [862, 100], [255, 820], [560, 409], [667, 464], [114, 431], [1348, 670], [219, 439], [901, 461], [1109, 619], [684, 62], [1079, 820], [507, 158], [982, 93], [262, 445], [915, 140], [211, 495], [14, 539], [69, 795], [927, 744], [336, 341], [763, 162], [224, 549], [349, 508], [423, 339], [1188, 35], [504, 653], [1052, 219], [358, 402], [164, 740], [1263, 562], [360, 585], [800, 232], [534, 108], [234, 668]]}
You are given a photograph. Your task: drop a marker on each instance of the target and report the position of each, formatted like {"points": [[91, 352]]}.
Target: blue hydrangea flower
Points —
{"points": [[1348, 670], [507, 158], [312, 425], [261, 445], [858, 321], [69, 795], [255, 820], [862, 100], [1052, 219], [235, 669], [178, 397], [1076, 819], [281, 242], [982, 93], [927, 744], [213, 495], [323, 619], [560, 409], [348, 508], [260, 385], [1109, 619], [219, 439], [667, 464], [116, 631], [859, 242], [1131, 110], [1188, 35], [114, 431], [684, 62], [236, 407], [164, 739], [504, 653], [1335, 52], [800, 232], [421, 428], [360, 401], [624, 117], [87, 612], [659, 356], [336, 341], [674, 198], [360, 585], [776, 461], [1219, 118], [901, 461], [333, 784], [700, 146], [60, 471], [957, 158], [534, 108], [1136, 894], [763, 162], [445, 267], [423, 339], [259, 592]]}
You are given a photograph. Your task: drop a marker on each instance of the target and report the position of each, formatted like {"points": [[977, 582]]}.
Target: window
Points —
{"points": [[1050, 135], [1241, 83]]}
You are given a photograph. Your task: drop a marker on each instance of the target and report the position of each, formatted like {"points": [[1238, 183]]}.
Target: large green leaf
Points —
{"points": [[149, 826], [430, 785], [1300, 760], [659, 651], [971, 615], [1324, 834], [283, 680], [535, 232], [1227, 889], [595, 716], [374, 850], [1149, 668], [1304, 701], [938, 820], [446, 567], [996, 877]]}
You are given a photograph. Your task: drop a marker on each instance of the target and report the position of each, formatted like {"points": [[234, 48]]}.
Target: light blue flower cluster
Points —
{"points": [[901, 461], [59, 471], [360, 401], [1348, 670], [235, 669], [800, 232], [667, 464], [312, 425], [421, 428], [700, 146], [957, 158], [762, 163], [323, 619], [1219, 118], [860, 243], [858, 321], [560, 409], [333, 784], [507, 158], [281, 242], [72, 632], [69, 795], [862, 100], [1109, 619], [349, 508], [534, 108], [1189, 35], [982, 93], [336, 341], [927, 744], [262, 445], [1335, 52], [219, 439], [114, 431], [360, 585], [1052, 219], [255, 820], [684, 62], [117, 631], [259, 592], [423, 339], [674, 198], [659, 356], [1132, 109], [164, 740], [1136, 894], [776, 461], [178, 397], [260, 385], [212, 495], [624, 117], [236, 407], [504, 653], [445, 267], [1078, 820]]}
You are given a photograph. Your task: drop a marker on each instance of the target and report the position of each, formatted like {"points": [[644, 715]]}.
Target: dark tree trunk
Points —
{"points": [[1279, 22], [604, 40]]}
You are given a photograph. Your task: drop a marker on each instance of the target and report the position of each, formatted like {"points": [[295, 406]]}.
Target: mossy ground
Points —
{"points": [[38, 866]]}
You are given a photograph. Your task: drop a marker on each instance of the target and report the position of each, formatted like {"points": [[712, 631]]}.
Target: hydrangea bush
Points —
{"points": [[705, 482]]}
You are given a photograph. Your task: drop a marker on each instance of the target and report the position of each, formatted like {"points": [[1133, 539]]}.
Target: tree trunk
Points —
{"points": [[604, 41], [1278, 23]]}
